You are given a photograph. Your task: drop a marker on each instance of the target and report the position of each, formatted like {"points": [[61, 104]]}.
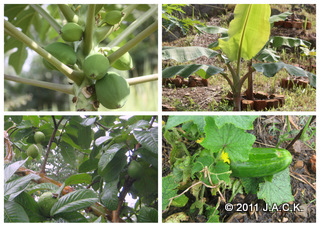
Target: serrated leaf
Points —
{"points": [[243, 122], [109, 196], [174, 121], [234, 141], [13, 212], [78, 179], [205, 71], [251, 184], [148, 138], [148, 214], [248, 31], [180, 201], [219, 172], [169, 190], [182, 169], [184, 54], [74, 201], [201, 163], [10, 169], [278, 191]]}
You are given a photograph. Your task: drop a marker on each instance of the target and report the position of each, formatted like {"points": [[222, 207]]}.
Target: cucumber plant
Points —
{"points": [[212, 159], [87, 43], [246, 40]]}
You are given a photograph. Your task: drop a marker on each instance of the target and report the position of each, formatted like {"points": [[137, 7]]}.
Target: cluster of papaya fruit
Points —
{"points": [[112, 90]]}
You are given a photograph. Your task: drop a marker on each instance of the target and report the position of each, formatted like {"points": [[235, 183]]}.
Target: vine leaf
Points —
{"points": [[177, 120], [169, 190], [234, 141]]}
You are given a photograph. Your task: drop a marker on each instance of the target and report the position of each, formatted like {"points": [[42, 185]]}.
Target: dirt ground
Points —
{"points": [[206, 98], [303, 179]]}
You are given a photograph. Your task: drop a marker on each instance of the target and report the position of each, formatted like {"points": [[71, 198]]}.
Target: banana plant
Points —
{"points": [[247, 39]]}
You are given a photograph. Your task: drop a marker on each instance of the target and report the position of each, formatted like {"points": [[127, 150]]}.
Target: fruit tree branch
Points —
{"points": [[68, 13], [142, 79], [76, 76], [47, 16], [88, 32]]}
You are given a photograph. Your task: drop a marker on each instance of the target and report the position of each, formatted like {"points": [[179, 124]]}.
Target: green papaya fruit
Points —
{"points": [[39, 137], [113, 17], [46, 202], [33, 151], [112, 91], [63, 52], [95, 66], [124, 62], [71, 32]]}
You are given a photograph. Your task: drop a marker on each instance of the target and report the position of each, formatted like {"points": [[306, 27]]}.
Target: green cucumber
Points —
{"points": [[262, 162]]}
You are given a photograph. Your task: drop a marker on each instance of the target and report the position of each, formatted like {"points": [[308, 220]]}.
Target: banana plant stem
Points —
{"points": [[67, 89], [130, 44], [47, 16], [76, 76]]}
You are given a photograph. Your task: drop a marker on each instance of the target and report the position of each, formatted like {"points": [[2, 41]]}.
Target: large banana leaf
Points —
{"points": [[270, 69], [278, 41], [279, 17], [184, 54], [248, 32], [205, 71], [213, 29]]}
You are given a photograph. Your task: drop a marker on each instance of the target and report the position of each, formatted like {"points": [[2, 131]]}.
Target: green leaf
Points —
{"points": [[148, 183], [235, 141], [185, 54], [173, 121], [251, 184], [219, 172], [188, 70], [28, 203], [15, 187], [270, 70], [84, 136], [278, 41], [111, 163], [88, 121], [212, 29], [88, 165], [78, 179], [279, 17], [278, 191], [73, 217], [182, 169], [10, 169], [180, 201], [43, 187], [201, 163], [74, 201], [68, 153], [148, 214], [243, 122], [148, 138], [268, 55], [248, 31], [13, 212], [169, 190], [109, 196]]}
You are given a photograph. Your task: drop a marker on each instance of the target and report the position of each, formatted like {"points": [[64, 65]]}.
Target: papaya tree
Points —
{"points": [[90, 44], [83, 169], [247, 40]]}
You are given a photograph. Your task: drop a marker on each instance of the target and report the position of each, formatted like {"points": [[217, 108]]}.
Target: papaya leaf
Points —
{"points": [[270, 70], [248, 31], [185, 71], [184, 54], [74, 201]]}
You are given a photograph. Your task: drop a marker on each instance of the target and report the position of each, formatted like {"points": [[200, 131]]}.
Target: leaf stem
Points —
{"points": [[133, 26], [130, 44], [88, 32], [68, 13], [47, 16], [76, 76], [67, 89], [142, 79]]}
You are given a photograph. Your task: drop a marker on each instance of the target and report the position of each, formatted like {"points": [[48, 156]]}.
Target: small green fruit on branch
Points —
{"points": [[71, 32]]}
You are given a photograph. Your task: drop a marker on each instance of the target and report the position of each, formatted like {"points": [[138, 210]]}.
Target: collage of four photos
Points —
{"points": [[159, 113]]}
